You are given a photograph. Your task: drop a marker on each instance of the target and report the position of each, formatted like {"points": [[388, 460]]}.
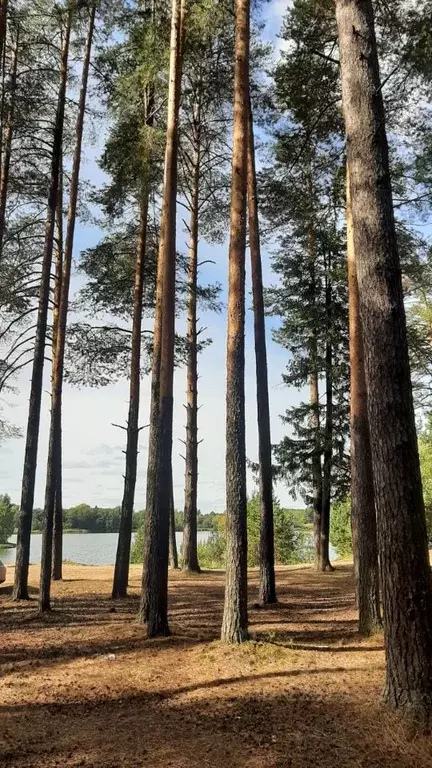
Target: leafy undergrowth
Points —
{"points": [[84, 687]]}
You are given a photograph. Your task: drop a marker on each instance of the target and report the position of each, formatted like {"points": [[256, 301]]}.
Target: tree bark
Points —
{"points": [[314, 421], [190, 553], [402, 539], [173, 554], [54, 449], [154, 596], [121, 573], [121, 570], [3, 17], [267, 589], [235, 619], [325, 564], [57, 560], [7, 139], [20, 589], [363, 518], [317, 495]]}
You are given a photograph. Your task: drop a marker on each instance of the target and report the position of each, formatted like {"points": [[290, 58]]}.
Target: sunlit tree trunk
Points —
{"points": [[54, 448], [235, 619], [267, 590], [6, 137], [20, 589], [154, 597], [363, 518], [402, 539]]}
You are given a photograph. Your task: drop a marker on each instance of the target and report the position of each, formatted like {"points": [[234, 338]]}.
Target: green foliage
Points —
{"points": [[302, 199], [292, 538], [340, 527], [212, 553], [425, 451], [7, 518], [206, 521], [137, 549], [210, 521]]}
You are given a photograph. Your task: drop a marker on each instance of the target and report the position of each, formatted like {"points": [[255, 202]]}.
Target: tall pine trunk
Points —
{"points": [[20, 589], [54, 447], [121, 570], [317, 495], [314, 419], [402, 539], [7, 142], [235, 619], [190, 553], [57, 560], [267, 589], [363, 518], [173, 554], [3, 17], [154, 596], [324, 562]]}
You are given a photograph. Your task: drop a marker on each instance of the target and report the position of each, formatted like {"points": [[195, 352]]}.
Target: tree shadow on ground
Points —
{"points": [[212, 728]]}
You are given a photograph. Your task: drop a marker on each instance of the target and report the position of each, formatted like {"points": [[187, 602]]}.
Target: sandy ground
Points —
{"points": [[83, 686]]}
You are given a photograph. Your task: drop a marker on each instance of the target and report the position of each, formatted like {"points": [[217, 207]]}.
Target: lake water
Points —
{"points": [[90, 548], [83, 548]]}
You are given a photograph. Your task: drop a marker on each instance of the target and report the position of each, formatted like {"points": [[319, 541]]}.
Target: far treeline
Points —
{"points": [[88, 519], [178, 89], [107, 520]]}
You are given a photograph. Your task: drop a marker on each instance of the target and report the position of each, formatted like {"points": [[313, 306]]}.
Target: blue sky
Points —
{"points": [[92, 447]]}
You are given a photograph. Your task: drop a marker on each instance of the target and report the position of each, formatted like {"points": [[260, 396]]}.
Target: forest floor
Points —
{"points": [[82, 686]]}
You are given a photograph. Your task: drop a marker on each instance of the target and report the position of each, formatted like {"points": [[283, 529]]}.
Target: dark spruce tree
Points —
{"points": [[302, 200]]}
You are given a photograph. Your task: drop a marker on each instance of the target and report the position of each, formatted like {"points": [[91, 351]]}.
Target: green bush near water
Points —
{"points": [[340, 528], [7, 518], [137, 547], [340, 519], [292, 538]]}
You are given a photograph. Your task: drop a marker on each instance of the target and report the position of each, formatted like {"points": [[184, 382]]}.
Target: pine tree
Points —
{"points": [[154, 595], [20, 590], [266, 547], [202, 176], [235, 620], [363, 517], [53, 479], [402, 540], [121, 572], [6, 139]]}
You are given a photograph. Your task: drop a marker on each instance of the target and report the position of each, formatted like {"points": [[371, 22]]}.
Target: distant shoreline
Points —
{"points": [[12, 544]]}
